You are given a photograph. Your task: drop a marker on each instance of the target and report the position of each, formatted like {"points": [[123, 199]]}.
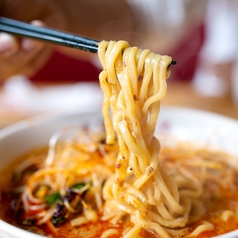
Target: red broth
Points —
{"points": [[218, 196]]}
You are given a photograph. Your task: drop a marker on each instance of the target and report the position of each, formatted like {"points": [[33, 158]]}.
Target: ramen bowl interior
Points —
{"points": [[197, 127]]}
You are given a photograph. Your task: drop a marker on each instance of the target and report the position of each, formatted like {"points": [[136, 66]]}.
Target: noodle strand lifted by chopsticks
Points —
{"points": [[134, 82]]}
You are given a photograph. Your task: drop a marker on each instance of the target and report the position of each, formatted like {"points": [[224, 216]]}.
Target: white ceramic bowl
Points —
{"points": [[203, 128]]}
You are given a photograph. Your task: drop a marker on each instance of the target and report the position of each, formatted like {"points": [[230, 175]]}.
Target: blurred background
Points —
{"points": [[200, 35]]}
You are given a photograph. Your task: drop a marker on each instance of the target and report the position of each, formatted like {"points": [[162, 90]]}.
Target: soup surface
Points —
{"points": [[219, 198]]}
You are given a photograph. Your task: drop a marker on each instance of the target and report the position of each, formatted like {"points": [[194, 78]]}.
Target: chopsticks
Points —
{"points": [[47, 34], [24, 29]]}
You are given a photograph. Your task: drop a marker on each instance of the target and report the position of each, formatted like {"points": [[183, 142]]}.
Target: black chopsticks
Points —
{"points": [[50, 35], [47, 34]]}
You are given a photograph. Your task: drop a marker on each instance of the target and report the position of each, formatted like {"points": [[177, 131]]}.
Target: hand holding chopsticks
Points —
{"points": [[50, 35], [46, 34]]}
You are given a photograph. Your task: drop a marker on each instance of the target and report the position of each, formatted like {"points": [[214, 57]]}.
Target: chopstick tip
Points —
{"points": [[173, 62]]}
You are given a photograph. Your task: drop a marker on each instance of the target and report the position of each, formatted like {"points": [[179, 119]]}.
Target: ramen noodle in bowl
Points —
{"points": [[117, 180]]}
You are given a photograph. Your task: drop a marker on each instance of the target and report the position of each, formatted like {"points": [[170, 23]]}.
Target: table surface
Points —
{"points": [[179, 94], [182, 94]]}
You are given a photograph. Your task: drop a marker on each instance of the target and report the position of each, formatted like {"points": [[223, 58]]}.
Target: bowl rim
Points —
{"points": [[56, 116]]}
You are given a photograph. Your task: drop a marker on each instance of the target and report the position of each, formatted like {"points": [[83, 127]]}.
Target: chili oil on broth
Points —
{"points": [[219, 178], [30, 164], [220, 197], [9, 197]]}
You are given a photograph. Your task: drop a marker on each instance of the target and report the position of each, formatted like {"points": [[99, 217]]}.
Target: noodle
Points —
{"points": [[123, 178], [140, 185]]}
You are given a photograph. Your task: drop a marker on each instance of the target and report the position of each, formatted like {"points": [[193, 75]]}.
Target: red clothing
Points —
{"points": [[64, 69]]}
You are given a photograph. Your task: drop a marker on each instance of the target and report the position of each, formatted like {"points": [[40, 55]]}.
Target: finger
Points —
{"points": [[37, 62], [9, 45], [28, 44], [21, 59], [19, 62], [31, 55]]}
